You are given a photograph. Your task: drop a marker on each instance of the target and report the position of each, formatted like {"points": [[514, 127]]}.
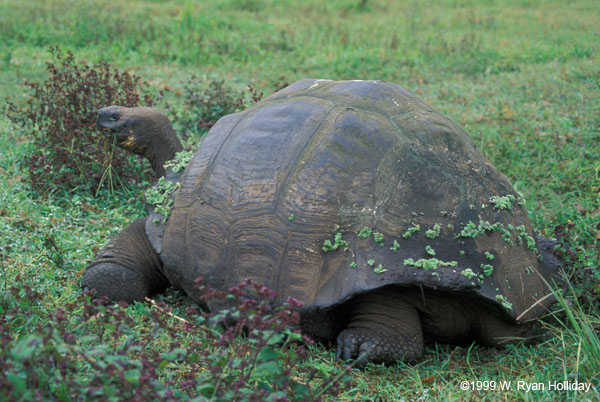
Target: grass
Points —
{"points": [[522, 77]]}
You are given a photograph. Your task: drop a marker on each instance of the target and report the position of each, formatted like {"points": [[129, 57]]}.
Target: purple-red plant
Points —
{"points": [[89, 349], [59, 117]]}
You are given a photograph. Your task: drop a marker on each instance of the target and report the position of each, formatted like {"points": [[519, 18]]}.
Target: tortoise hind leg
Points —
{"points": [[128, 268], [383, 327]]}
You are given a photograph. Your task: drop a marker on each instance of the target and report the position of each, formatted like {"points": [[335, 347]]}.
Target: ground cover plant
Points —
{"points": [[522, 77]]}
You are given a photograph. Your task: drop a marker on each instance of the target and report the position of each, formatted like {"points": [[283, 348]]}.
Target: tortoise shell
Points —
{"points": [[328, 189]]}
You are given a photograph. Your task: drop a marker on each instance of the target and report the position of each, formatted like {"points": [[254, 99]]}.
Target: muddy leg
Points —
{"points": [[128, 268], [384, 327]]}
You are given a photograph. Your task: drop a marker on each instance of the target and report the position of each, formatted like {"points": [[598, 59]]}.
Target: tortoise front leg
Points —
{"points": [[384, 327], [128, 268]]}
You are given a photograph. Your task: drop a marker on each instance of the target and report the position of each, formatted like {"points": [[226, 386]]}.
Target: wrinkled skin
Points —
{"points": [[142, 131], [383, 323]]}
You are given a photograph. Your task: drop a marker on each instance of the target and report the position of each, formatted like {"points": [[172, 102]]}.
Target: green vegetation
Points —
{"points": [[180, 161], [471, 230], [468, 273], [504, 301], [529, 240], [59, 119], [364, 233], [409, 232], [160, 196], [328, 245], [503, 202], [429, 250], [429, 263], [433, 232], [487, 269], [520, 76]]}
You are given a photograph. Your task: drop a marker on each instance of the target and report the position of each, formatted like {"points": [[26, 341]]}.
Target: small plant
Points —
{"points": [[504, 301], [364, 233], [429, 263], [488, 255], [487, 269], [470, 230], [379, 269], [378, 237], [328, 245], [180, 162], [468, 273], [433, 232], [429, 250], [160, 196], [503, 202], [395, 246], [409, 232], [60, 118], [529, 240]]}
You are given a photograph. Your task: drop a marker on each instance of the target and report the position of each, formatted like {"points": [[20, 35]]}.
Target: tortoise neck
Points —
{"points": [[164, 148]]}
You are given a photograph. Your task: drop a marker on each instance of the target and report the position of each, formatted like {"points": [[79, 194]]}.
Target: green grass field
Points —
{"points": [[521, 76]]}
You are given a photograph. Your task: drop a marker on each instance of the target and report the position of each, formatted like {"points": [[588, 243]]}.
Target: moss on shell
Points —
{"points": [[160, 197], [487, 269], [503, 202], [379, 269], [410, 231], [468, 273], [433, 232], [364, 233], [429, 250], [504, 301], [429, 263], [181, 160]]}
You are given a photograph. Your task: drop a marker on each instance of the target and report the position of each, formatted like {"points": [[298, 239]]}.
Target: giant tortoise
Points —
{"points": [[354, 197]]}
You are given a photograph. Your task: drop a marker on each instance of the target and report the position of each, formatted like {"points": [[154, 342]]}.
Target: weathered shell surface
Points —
{"points": [[268, 186]]}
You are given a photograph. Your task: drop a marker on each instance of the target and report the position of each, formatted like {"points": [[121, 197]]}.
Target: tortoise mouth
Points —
{"points": [[112, 132], [118, 137]]}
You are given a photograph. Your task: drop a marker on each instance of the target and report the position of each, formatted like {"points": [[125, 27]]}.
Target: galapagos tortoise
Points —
{"points": [[355, 197]]}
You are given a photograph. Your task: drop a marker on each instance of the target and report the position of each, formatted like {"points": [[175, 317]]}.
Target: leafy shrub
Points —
{"points": [[580, 264], [60, 117], [90, 350], [203, 103]]}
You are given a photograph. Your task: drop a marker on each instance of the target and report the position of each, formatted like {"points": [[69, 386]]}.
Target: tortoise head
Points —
{"points": [[143, 131]]}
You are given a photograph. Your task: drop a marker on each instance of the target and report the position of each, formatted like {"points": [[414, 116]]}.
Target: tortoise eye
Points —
{"points": [[113, 117]]}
